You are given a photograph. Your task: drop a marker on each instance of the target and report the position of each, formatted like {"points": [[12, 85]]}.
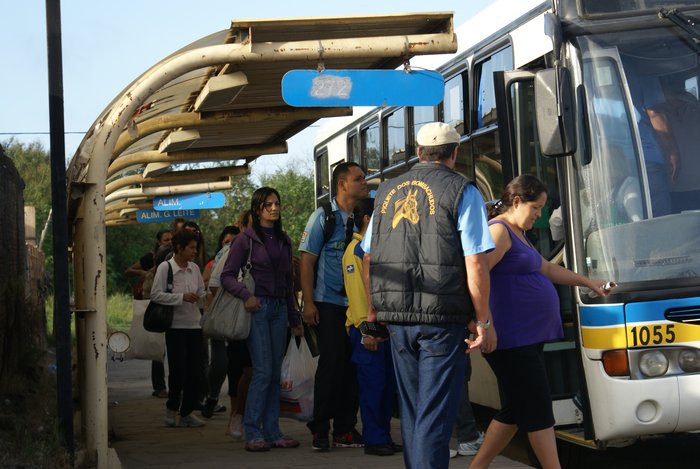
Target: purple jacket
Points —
{"points": [[271, 281]]}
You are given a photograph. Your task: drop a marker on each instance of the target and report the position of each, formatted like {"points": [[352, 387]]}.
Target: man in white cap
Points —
{"points": [[428, 279]]}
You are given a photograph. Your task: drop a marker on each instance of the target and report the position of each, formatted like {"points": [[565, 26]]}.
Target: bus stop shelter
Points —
{"points": [[217, 100]]}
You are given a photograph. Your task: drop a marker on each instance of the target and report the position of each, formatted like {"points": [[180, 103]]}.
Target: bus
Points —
{"points": [[600, 100]]}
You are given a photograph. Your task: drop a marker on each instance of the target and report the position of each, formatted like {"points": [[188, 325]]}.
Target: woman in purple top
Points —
{"points": [[273, 306], [525, 309]]}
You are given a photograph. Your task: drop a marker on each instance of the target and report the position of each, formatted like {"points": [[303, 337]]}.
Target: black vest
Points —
{"points": [[417, 272]]}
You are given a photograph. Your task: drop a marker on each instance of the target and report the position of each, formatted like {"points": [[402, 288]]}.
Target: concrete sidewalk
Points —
{"points": [[141, 439]]}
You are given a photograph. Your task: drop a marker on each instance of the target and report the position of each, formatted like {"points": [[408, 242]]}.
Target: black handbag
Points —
{"points": [[158, 317]]}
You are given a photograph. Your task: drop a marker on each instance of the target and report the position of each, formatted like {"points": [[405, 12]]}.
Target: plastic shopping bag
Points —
{"points": [[144, 345], [297, 381]]}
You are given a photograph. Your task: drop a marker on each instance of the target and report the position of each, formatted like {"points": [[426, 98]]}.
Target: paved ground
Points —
{"points": [[141, 440]]}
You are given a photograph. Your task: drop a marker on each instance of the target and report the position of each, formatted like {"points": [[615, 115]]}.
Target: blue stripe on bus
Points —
{"points": [[654, 310], [602, 315]]}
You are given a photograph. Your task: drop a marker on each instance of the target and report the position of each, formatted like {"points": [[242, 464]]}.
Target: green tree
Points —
{"points": [[296, 188], [34, 166]]}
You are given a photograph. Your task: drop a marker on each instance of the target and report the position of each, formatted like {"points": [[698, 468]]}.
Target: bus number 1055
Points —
{"points": [[655, 335]]}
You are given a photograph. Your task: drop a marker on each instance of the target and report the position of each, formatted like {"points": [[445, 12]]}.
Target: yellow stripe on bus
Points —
{"points": [[604, 337], [639, 335], [643, 334]]}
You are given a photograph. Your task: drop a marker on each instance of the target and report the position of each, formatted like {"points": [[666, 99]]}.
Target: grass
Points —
{"points": [[118, 314]]}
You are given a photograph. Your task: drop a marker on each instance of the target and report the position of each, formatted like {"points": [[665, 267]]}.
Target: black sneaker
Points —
{"points": [[379, 450], [208, 409], [396, 447], [351, 439], [320, 442]]}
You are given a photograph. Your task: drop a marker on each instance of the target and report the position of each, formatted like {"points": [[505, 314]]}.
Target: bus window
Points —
{"points": [[322, 176], [354, 149], [371, 148], [395, 131], [453, 103], [485, 97], [488, 169], [421, 116], [465, 164]]}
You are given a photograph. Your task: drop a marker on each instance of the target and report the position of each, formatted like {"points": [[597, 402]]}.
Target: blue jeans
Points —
{"points": [[266, 343], [429, 363]]}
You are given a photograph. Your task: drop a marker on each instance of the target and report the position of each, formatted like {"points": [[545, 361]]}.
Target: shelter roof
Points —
{"points": [[219, 100]]}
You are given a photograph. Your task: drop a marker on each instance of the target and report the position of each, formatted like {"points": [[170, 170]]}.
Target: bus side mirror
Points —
{"points": [[554, 107]]}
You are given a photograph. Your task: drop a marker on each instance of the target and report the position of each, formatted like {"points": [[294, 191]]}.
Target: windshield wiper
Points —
{"points": [[685, 22]]}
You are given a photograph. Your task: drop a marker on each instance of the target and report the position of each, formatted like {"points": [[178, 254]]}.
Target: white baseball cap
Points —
{"points": [[436, 133]]}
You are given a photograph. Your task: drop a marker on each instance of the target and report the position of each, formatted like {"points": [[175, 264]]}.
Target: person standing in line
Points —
{"points": [[141, 268], [525, 308], [218, 358], [469, 438], [273, 307], [325, 305], [426, 255], [371, 356], [183, 340], [238, 367]]}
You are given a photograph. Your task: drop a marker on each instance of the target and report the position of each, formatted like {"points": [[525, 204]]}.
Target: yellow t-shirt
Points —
{"points": [[354, 285]]}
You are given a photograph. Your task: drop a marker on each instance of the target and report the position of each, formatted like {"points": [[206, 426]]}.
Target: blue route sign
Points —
{"points": [[189, 201], [306, 88], [152, 216]]}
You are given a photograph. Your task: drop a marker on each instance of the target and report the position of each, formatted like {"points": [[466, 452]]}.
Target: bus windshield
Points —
{"points": [[639, 195]]}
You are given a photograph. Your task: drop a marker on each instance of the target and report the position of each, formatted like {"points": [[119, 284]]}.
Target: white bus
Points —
{"points": [[599, 99]]}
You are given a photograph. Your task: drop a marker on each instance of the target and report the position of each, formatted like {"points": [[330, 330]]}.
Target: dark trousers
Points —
{"points": [[464, 421], [335, 387], [184, 348], [218, 365], [157, 375]]}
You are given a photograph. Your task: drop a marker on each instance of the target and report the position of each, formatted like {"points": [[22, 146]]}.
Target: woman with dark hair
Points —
{"points": [[227, 357], [183, 340], [145, 268], [525, 309], [201, 258], [273, 307]]}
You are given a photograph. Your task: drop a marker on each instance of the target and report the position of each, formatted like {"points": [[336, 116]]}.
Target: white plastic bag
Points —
{"points": [[144, 345], [297, 382]]}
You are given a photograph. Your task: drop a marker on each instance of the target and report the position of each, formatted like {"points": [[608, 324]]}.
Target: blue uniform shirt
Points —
{"points": [[329, 272]]}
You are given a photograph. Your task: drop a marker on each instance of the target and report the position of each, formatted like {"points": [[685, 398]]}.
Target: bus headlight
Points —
{"points": [[689, 360], [653, 363]]}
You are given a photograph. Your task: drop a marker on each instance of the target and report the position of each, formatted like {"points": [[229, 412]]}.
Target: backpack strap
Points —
{"points": [[329, 221]]}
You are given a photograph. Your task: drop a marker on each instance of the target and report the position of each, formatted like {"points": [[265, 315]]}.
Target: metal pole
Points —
{"points": [[57, 150]]}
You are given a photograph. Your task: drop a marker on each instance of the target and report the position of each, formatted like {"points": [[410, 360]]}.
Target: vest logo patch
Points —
{"points": [[350, 269], [407, 207]]}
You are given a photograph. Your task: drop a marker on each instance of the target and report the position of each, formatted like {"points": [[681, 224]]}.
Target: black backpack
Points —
{"points": [[329, 224]]}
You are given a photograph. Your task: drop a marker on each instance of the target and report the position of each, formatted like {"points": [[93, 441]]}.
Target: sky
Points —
{"points": [[106, 45]]}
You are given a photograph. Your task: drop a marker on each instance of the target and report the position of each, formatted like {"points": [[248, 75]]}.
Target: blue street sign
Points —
{"points": [[152, 216], [362, 88], [189, 201]]}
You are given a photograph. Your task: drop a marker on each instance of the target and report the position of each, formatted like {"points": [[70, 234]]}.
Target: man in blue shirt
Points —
{"points": [[325, 306], [429, 278]]}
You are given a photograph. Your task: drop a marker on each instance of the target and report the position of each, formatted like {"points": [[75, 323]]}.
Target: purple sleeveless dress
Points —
{"points": [[524, 303]]}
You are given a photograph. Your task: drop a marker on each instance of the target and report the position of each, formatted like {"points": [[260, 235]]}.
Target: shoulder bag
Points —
{"points": [[158, 317], [226, 318]]}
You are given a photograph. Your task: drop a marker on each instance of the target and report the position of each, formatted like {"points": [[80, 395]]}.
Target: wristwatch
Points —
{"points": [[483, 325]]}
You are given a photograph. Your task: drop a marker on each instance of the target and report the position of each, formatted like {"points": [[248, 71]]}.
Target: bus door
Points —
{"points": [[521, 151]]}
